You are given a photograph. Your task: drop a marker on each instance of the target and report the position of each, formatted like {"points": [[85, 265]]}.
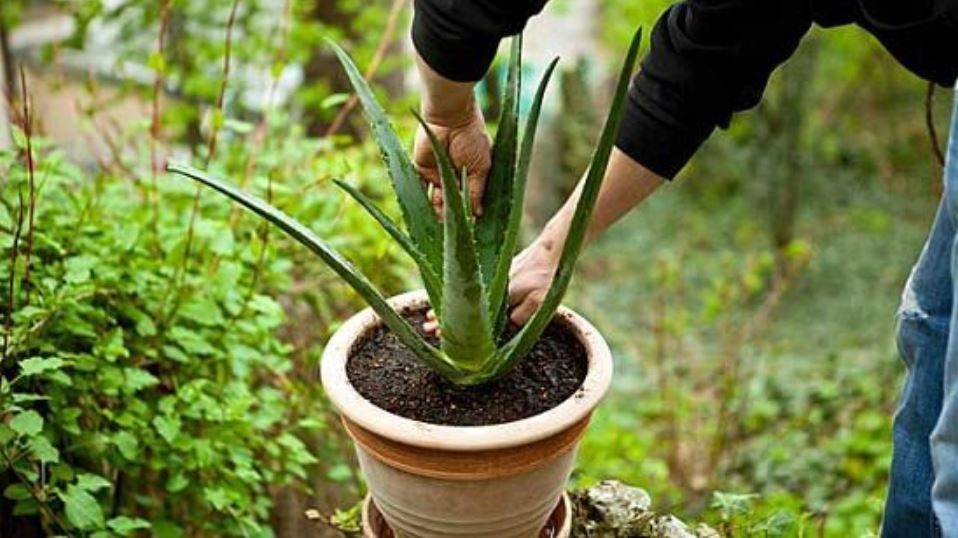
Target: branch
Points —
{"points": [[211, 151], [218, 110], [155, 125], [380, 53], [42, 505], [28, 133], [8, 321]]}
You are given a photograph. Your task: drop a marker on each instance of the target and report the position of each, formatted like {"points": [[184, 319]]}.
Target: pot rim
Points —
{"points": [[349, 402]]}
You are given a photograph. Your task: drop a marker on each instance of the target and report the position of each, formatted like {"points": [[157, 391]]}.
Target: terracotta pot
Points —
{"points": [[559, 524], [430, 480]]}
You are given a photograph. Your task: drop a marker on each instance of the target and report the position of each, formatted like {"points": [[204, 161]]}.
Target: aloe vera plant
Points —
{"points": [[464, 261]]}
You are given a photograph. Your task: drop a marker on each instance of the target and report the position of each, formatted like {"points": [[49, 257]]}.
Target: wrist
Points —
{"points": [[445, 102], [448, 110]]}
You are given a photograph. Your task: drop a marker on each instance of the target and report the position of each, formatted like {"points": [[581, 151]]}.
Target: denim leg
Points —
{"points": [[944, 439], [923, 323]]}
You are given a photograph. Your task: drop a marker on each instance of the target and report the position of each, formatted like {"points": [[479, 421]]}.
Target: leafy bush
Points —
{"points": [[270, 39], [142, 388], [809, 439]]}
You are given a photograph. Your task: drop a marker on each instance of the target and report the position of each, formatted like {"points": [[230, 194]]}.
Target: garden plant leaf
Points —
{"points": [[464, 261]]}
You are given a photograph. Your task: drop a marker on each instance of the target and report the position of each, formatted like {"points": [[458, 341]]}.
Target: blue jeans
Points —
{"points": [[923, 486]]}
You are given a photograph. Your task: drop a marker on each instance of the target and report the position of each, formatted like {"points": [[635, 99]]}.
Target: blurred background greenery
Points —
{"points": [[160, 348]]}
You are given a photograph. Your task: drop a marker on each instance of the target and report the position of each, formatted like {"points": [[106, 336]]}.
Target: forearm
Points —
{"points": [[445, 102], [626, 184]]}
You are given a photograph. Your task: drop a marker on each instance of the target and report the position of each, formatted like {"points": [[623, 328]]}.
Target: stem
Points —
{"points": [[31, 173], [210, 153], [260, 259], [115, 165], [120, 482], [660, 339], [262, 128], [728, 420], [155, 125], [218, 111], [8, 321], [42, 505], [378, 56]]}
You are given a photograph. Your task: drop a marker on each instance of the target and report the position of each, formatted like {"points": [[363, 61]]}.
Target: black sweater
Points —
{"points": [[708, 58]]}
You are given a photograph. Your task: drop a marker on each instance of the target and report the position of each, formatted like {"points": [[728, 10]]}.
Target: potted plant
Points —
{"points": [[472, 432]]}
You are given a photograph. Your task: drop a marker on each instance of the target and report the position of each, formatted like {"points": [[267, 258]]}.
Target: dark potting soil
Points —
{"points": [[387, 374]]}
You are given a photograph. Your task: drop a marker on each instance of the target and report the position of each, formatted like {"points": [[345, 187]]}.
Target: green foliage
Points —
{"points": [[575, 238], [475, 263], [467, 337], [809, 428], [134, 395], [491, 231], [424, 231], [269, 38], [143, 390], [80, 403], [835, 164], [500, 281], [333, 259]]}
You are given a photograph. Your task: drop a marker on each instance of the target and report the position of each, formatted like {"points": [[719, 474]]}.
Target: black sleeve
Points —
{"points": [[459, 38], [708, 59]]}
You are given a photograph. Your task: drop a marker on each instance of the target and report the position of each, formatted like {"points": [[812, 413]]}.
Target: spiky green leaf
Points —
{"points": [[429, 277], [424, 229], [465, 329], [500, 280], [497, 200], [526, 338], [406, 334]]}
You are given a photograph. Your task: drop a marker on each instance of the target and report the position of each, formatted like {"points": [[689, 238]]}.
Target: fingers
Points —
{"points": [[529, 278], [524, 296], [477, 186], [430, 177], [524, 310], [431, 325], [520, 313], [469, 148], [437, 201]]}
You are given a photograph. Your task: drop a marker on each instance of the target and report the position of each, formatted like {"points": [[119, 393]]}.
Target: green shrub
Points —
{"points": [[144, 389]]}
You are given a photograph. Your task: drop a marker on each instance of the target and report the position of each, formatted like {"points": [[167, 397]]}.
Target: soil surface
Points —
{"points": [[387, 374]]}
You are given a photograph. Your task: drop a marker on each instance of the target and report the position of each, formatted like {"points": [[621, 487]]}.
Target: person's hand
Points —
{"points": [[530, 276], [529, 279], [464, 137]]}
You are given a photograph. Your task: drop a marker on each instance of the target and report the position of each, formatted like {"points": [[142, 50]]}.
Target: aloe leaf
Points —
{"points": [[522, 342], [424, 229], [497, 200], [466, 200], [429, 277], [500, 282], [465, 332], [429, 355]]}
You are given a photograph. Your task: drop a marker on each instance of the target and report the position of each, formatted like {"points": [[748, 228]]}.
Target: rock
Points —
{"points": [[612, 509], [704, 531]]}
